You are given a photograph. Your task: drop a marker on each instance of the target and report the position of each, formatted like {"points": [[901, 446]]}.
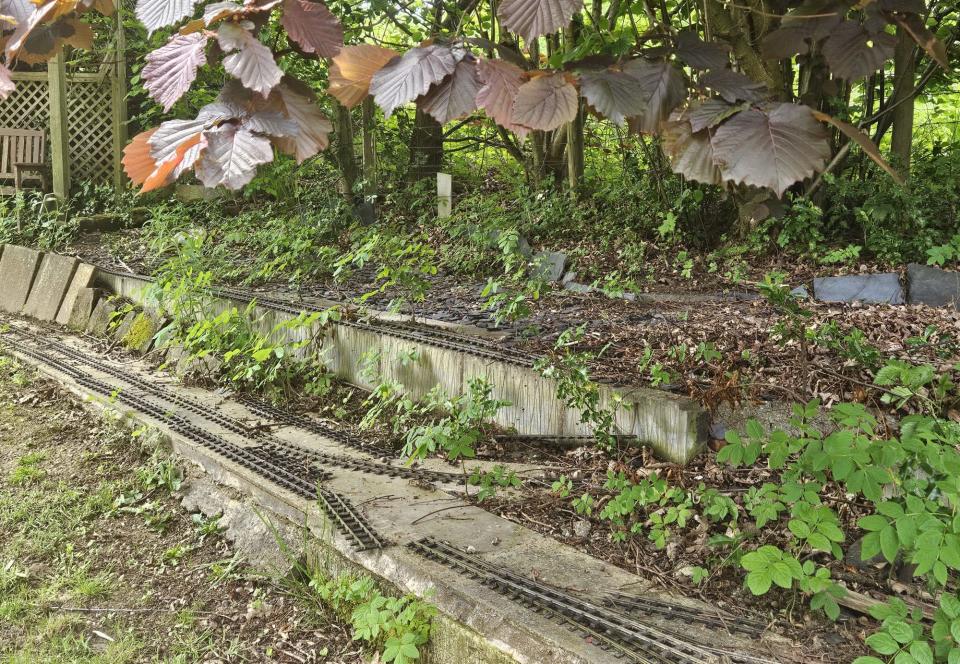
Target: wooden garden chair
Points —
{"points": [[23, 156]]}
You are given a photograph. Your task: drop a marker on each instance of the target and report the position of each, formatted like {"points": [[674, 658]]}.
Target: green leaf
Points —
{"points": [[819, 542], [759, 582], [799, 528], [882, 643], [868, 660], [781, 575], [953, 657], [901, 631], [955, 630], [950, 605], [903, 657], [906, 531], [870, 546], [889, 544], [874, 522], [890, 509], [921, 652]]}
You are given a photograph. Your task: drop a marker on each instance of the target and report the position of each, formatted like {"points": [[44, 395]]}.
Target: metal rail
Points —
{"points": [[282, 466], [682, 613]]}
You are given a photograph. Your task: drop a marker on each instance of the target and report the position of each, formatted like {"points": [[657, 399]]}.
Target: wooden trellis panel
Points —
{"points": [[28, 107], [90, 128]]}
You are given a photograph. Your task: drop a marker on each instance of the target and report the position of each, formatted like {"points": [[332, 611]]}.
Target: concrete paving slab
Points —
{"points": [[883, 288], [50, 286], [82, 308], [18, 269], [931, 285], [82, 278]]}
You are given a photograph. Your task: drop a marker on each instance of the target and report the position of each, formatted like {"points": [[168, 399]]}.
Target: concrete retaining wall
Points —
{"points": [[675, 427]]}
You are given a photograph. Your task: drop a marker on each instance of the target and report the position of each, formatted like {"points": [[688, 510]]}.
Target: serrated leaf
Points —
{"points": [[785, 43], [691, 155], [925, 39], [25, 28], [759, 582], [870, 546], [232, 157], [799, 528], [950, 604], [614, 94], [546, 102], [299, 104], [700, 54], [773, 147], [249, 59], [733, 86], [853, 53], [889, 543], [534, 18], [870, 148], [313, 27], [501, 81], [411, 75], [921, 651], [882, 643], [352, 69], [454, 97], [7, 86], [664, 88], [708, 114], [172, 68], [155, 14], [873, 522], [900, 631], [137, 162]]}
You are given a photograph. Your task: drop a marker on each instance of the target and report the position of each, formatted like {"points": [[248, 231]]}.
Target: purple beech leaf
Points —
{"points": [[534, 18], [313, 27], [405, 78], [232, 156], [353, 68], [708, 114], [313, 134], [172, 68], [614, 94], [217, 11], [664, 88], [25, 28], [272, 123], [171, 134], [785, 43], [925, 39], [455, 96], [249, 60], [7, 85], [864, 141], [816, 18], [689, 151], [773, 147], [155, 14], [18, 10], [700, 54], [733, 86], [854, 53], [501, 81], [546, 102]]}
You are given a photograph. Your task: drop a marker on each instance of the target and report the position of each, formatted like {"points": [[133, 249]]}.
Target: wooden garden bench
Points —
{"points": [[22, 157]]}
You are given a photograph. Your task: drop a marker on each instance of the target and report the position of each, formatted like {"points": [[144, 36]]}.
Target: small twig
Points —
{"points": [[442, 509]]}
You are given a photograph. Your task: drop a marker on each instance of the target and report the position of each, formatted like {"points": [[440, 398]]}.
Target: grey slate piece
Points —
{"points": [[18, 269], [50, 286], [81, 309], [82, 278], [883, 288], [933, 286], [549, 265]]}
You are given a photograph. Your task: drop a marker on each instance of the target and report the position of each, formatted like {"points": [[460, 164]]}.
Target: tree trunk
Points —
{"points": [[426, 147], [575, 150], [370, 184], [346, 158], [903, 81]]}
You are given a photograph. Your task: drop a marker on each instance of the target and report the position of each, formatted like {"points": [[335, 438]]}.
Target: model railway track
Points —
{"points": [[415, 333], [654, 607], [616, 632], [277, 464]]}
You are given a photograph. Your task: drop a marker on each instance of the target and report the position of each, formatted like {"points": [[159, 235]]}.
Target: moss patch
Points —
{"points": [[141, 333]]}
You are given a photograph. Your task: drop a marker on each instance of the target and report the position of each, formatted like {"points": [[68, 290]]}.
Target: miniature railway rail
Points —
{"points": [[674, 611], [416, 333], [278, 464], [616, 632]]}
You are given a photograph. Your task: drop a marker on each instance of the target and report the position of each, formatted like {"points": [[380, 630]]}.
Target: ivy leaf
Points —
{"points": [[773, 147], [456, 96], [250, 60], [172, 68], [501, 81], [534, 18], [411, 75], [852, 52], [614, 94], [313, 27], [155, 14], [352, 69], [232, 157], [546, 102]]}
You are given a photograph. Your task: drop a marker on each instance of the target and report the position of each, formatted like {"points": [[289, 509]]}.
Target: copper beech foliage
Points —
{"points": [[718, 125]]}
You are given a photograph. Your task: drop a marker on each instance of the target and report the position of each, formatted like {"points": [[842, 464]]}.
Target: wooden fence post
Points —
{"points": [[118, 97], [59, 131]]}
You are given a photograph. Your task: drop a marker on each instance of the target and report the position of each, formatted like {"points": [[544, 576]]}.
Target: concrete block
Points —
{"points": [[881, 288], [575, 287], [138, 336], [549, 265], [82, 308], [50, 287], [82, 278], [101, 317], [933, 286], [18, 268]]}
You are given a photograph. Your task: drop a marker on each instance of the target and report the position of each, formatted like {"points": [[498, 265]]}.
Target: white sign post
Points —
{"points": [[444, 195]]}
